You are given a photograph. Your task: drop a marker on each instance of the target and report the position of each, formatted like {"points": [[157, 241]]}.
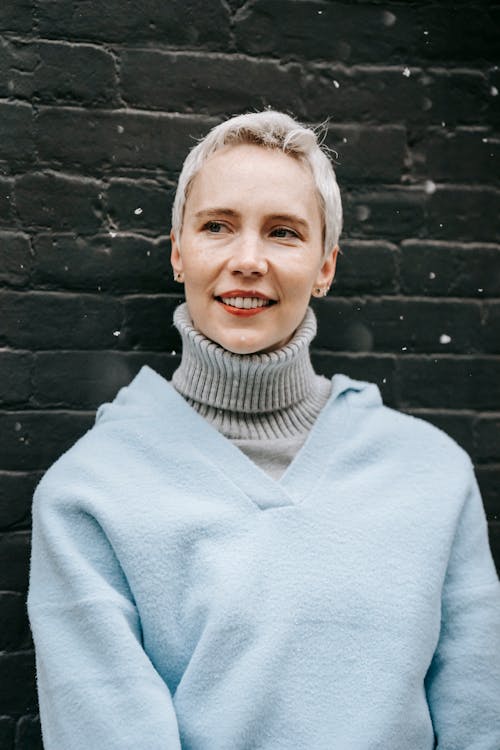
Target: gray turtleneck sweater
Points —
{"points": [[264, 403]]}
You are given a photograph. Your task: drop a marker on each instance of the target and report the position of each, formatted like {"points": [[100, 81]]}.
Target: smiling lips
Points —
{"points": [[244, 303]]}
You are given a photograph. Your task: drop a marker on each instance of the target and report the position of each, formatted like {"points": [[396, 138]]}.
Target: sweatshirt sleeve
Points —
{"points": [[97, 688], [463, 682]]}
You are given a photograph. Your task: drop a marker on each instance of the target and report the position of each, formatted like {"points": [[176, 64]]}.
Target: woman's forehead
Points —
{"points": [[235, 175]]}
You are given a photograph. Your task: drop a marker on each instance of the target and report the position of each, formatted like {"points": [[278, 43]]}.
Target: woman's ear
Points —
{"points": [[327, 271], [175, 255]]}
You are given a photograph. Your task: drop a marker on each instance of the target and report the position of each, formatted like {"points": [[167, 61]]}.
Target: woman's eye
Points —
{"points": [[283, 232], [213, 226]]}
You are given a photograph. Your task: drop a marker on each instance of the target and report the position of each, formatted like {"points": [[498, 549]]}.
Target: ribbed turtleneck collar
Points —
{"points": [[276, 394], [250, 383]]}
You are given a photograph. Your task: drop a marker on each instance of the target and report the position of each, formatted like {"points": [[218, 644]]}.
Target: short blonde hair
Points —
{"points": [[269, 129]]}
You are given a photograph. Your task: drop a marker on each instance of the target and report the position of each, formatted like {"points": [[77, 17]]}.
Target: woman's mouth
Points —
{"points": [[245, 306]]}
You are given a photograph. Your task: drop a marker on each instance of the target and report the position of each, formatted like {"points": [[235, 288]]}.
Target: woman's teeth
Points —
{"points": [[245, 303]]}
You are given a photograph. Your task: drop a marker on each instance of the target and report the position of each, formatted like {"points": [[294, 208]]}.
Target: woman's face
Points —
{"points": [[251, 248]]}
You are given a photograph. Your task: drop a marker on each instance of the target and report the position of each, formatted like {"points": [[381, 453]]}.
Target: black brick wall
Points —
{"points": [[99, 102]]}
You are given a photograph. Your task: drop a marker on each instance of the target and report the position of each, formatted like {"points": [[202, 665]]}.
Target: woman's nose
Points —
{"points": [[248, 256]]}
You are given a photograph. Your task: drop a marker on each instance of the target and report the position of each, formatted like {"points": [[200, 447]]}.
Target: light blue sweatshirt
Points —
{"points": [[180, 597]]}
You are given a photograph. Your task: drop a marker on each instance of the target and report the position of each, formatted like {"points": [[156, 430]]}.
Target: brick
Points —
{"points": [[493, 88], [450, 269], [116, 139], [14, 561], [41, 439], [196, 23], [384, 213], [339, 31], [461, 32], [29, 734], [7, 729], [125, 198], [122, 263], [15, 377], [371, 368], [449, 382], [398, 325], [366, 267], [15, 269], [148, 323], [17, 683], [368, 32], [14, 626], [51, 320], [489, 482], [491, 328], [183, 82], [16, 134], [59, 202], [461, 155], [464, 214], [84, 380], [16, 15], [382, 94], [487, 437], [16, 491], [81, 380], [458, 425], [368, 154], [6, 201], [494, 535], [58, 72]]}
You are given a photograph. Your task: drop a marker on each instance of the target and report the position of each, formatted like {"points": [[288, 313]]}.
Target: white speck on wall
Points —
{"points": [[384, 380], [116, 333], [494, 91], [443, 124], [320, 12], [120, 128], [173, 352], [406, 72], [441, 226], [344, 140], [426, 33], [363, 212], [388, 18], [404, 348], [148, 252], [65, 268], [17, 426], [444, 338], [112, 234], [480, 290], [336, 84], [401, 317], [432, 275], [430, 187], [138, 211]]}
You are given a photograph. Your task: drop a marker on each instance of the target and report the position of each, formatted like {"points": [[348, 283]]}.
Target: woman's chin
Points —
{"points": [[250, 343]]}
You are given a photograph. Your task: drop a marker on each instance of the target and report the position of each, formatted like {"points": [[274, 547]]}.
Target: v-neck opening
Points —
{"points": [[265, 492]]}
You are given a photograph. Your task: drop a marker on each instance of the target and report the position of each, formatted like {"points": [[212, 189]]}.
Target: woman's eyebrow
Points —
{"points": [[216, 212], [289, 219]]}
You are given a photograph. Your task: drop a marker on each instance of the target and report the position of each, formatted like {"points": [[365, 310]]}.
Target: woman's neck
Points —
{"points": [[276, 394]]}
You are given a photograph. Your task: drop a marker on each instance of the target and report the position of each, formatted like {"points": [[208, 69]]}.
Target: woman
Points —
{"points": [[253, 556]]}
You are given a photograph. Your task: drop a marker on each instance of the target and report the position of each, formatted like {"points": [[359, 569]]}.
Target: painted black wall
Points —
{"points": [[99, 102]]}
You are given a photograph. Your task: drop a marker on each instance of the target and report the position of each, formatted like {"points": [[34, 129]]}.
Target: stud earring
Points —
{"points": [[178, 277]]}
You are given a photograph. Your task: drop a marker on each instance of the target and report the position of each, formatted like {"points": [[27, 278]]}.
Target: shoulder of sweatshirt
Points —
{"points": [[134, 432]]}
